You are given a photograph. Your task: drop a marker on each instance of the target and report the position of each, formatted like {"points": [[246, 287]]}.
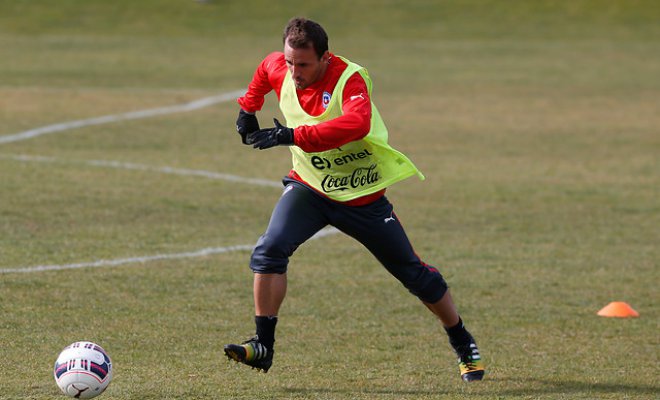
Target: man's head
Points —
{"points": [[305, 51]]}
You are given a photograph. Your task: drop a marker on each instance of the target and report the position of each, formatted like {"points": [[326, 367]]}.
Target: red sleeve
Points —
{"points": [[353, 125], [268, 76]]}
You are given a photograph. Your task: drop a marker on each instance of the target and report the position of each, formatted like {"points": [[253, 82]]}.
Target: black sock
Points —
{"points": [[458, 335], [266, 330]]}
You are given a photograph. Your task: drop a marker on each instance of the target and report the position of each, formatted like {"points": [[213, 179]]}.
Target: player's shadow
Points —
{"points": [[312, 392], [574, 387], [525, 387]]}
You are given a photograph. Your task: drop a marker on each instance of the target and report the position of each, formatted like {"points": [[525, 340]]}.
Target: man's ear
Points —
{"points": [[325, 58]]}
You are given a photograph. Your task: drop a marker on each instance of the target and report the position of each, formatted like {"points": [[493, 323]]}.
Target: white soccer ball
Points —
{"points": [[83, 370]]}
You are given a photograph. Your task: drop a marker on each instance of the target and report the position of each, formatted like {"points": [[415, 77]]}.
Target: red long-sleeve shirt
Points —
{"points": [[353, 124]]}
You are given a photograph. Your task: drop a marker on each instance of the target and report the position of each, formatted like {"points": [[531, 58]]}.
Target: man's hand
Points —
{"points": [[245, 124], [267, 138]]}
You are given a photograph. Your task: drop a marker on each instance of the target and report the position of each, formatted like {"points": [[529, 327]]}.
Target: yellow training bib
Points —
{"points": [[355, 169]]}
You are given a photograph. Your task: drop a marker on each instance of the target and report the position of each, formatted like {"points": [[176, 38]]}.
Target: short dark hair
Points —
{"points": [[301, 33]]}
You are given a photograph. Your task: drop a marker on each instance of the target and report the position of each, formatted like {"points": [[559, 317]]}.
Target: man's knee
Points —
{"points": [[425, 282], [270, 256]]}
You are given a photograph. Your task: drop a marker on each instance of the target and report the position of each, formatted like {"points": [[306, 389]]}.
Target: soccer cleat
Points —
{"points": [[251, 353], [469, 362]]}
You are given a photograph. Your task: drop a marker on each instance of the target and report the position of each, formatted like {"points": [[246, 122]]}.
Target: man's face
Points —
{"points": [[304, 65]]}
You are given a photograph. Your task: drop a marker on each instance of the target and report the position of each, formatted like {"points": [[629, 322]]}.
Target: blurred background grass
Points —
{"points": [[535, 123]]}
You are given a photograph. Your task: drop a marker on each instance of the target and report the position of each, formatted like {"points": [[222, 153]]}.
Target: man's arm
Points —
{"points": [[263, 82], [260, 85]]}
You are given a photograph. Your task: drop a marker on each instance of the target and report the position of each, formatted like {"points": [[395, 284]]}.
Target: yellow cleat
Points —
{"points": [[251, 353], [469, 363]]}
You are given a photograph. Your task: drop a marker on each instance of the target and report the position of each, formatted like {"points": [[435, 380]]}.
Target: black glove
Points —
{"points": [[267, 138], [246, 123]]}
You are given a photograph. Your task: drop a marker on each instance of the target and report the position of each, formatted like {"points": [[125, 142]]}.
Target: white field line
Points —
{"points": [[64, 126], [144, 259], [149, 168]]}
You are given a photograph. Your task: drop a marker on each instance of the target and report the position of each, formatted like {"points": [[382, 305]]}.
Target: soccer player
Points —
{"points": [[342, 166]]}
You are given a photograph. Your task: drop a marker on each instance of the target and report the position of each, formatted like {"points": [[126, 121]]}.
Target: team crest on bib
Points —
{"points": [[326, 99]]}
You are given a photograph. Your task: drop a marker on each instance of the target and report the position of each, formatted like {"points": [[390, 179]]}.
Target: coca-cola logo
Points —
{"points": [[360, 177]]}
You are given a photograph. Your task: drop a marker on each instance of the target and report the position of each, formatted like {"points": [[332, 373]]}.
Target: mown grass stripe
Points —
{"points": [[106, 119], [145, 259], [149, 168]]}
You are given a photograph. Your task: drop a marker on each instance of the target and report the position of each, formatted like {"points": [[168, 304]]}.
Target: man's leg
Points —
{"points": [[295, 219], [379, 230], [445, 310], [269, 291]]}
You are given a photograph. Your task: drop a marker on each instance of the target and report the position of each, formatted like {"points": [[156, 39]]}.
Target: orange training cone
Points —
{"points": [[618, 309]]}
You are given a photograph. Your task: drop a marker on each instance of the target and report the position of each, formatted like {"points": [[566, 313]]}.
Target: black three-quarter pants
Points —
{"points": [[301, 212]]}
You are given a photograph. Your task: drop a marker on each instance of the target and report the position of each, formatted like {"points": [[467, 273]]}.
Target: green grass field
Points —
{"points": [[535, 122]]}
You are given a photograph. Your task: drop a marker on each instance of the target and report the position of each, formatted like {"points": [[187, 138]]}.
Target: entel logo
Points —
{"points": [[323, 163]]}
